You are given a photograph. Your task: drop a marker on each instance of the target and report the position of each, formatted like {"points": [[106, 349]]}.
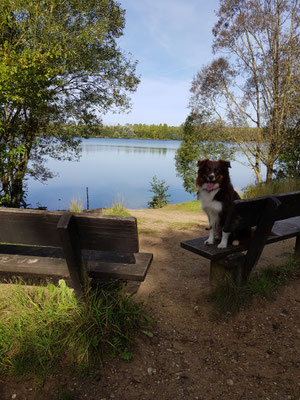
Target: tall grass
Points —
{"points": [[230, 298], [117, 208], [273, 187], [43, 329], [76, 206]]}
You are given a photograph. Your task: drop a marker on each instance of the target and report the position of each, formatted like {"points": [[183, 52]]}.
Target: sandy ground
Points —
{"points": [[254, 355]]}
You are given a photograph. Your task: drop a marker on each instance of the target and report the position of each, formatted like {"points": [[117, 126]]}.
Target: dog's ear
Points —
{"points": [[202, 162], [225, 163]]}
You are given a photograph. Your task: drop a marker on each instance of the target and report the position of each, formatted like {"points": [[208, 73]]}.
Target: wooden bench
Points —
{"points": [[275, 217], [54, 244]]}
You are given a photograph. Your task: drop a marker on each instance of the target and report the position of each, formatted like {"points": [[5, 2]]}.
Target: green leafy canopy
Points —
{"points": [[59, 63]]}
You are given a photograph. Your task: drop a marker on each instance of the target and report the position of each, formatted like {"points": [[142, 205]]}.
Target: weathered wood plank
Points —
{"points": [[35, 227], [227, 270], [24, 265], [297, 247], [37, 251], [29, 227], [108, 233], [132, 272], [43, 267], [70, 243], [261, 234], [284, 229], [248, 212]]}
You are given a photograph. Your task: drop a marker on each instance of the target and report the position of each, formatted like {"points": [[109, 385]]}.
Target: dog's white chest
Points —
{"points": [[208, 202]]}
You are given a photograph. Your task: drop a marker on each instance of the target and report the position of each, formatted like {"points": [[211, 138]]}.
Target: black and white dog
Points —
{"points": [[216, 194]]}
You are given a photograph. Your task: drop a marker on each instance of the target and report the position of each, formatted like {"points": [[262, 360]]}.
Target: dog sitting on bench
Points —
{"points": [[216, 194]]}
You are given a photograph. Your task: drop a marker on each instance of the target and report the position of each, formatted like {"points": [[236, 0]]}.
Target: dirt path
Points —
{"points": [[255, 355]]}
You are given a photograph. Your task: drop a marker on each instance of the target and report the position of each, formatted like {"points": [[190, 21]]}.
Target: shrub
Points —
{"points": [[273, 187], [160, 198]]}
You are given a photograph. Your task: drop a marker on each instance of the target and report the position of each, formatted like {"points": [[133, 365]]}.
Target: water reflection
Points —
{"points": [[96, 148], [113, 168]]}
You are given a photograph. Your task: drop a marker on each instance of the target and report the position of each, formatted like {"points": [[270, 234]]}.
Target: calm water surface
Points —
{"points": [[118, 168]]}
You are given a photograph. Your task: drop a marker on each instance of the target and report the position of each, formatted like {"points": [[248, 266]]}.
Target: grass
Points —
{"points": [[45, 329], [230, 299], [117, 208], [273, 187], [76, 206], [194, 206], [182, 225]]}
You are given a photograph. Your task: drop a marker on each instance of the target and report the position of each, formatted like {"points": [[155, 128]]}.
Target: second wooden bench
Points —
{"points": [[275, 218], [54, 244]]}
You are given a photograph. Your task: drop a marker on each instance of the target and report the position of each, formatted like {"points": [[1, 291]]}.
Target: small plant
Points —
{"points": [[117, 208], [160, 198], [76, 206]]}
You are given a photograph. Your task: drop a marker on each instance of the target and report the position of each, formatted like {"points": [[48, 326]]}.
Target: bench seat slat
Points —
{"points": [[38, 265], [132, 272], [27, 266], [283, 229]]}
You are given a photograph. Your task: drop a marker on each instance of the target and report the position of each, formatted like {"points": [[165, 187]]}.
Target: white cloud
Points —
{"points": [[172, 40], [181, 28]]}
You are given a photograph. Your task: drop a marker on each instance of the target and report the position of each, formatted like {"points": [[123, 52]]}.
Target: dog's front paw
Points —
{"points": [[222, 245], [209, 242]]}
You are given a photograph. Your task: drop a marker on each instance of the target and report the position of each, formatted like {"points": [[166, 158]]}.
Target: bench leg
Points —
{"points": [[227, 270], [297, 247], [70, 243]]}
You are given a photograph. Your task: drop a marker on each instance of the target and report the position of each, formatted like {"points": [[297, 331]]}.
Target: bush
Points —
{"points": [[273, 187], [160, 198]]}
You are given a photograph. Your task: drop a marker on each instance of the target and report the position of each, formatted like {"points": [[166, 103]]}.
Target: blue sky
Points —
{"points": [[171, 39]]}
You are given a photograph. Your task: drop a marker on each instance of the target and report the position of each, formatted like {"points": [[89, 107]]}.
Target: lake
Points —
{"points": [[115, 169]]}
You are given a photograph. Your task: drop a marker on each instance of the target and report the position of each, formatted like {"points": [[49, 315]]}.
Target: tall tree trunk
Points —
{"points": [[269, 175]]}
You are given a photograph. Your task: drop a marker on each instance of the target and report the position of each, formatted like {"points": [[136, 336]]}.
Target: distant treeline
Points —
{"points": [[128, 131], [155, 132]]}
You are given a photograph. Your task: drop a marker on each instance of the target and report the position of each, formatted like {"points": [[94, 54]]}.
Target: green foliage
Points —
{"points": [[160, 198], [229, 299], [117, 208], [200, 141], [288, 164], [45, 329], [140, 131], [193, 206], [59, 64], [76, 206], [253, 80], [272, 187]]}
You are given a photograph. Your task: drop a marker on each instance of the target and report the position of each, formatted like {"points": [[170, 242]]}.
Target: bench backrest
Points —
{"points": [[35, 227], [247, 213]]}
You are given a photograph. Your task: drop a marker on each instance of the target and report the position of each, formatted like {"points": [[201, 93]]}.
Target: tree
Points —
{"points": [[59, 64], [289, 157], [160, 198], [200, 140], [256, 83]]}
